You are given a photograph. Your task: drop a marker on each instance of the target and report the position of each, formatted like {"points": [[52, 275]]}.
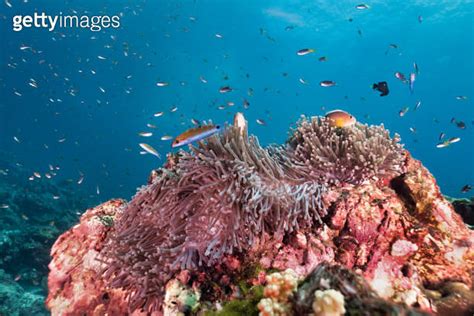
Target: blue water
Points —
{"points": [[175, 41]]}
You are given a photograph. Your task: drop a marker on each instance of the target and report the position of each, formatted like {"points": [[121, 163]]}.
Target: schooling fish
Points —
{"points": [[305, 51], [340, 118], [327, 83], [382, 87], [415, 67], [453, 140], [448, 142], [466, 188], [302, 81], [195, 134], [362, 6], [150, 149], [412, 82], [145, 134], [394, 46], [403, 111], [225, 89], [460, 124], [417, 105], [400, 77]]}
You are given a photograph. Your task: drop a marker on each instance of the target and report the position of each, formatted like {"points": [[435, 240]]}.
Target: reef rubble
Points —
{"points": [[233, 228]]}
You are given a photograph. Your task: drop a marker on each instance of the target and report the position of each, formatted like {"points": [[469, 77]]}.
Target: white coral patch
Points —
{"points": [[445, 212], [381, 282], [456, 255], [408, 297], [402, 248], [328, 303], [89, 261]]}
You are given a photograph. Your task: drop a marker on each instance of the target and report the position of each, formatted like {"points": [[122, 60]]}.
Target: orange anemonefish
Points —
{"points": [[339, 118]]}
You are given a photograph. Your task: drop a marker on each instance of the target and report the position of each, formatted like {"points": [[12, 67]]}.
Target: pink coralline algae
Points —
{"points": [[215, 220], [73, 282]]}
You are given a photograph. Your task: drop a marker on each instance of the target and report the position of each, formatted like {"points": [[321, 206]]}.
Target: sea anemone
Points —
{"points": [[221, 198], [227, 194], [352, 155]]}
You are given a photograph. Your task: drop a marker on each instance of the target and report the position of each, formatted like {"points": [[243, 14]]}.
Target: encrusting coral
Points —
{"points": [[280, 286], [222, 216], [328, 303]]}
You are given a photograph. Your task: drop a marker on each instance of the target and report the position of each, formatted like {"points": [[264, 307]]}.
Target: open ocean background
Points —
{"points": [[176, 42]]}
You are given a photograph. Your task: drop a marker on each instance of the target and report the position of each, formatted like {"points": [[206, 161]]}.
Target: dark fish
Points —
{"points": [[420, 19], [394, 46], [382, 87], [441, 136], [466, 188], [461, 124], [323, 58]]}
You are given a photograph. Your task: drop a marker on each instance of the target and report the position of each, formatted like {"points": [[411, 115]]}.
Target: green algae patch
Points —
{"points": [[106, 220], [246, 306]]}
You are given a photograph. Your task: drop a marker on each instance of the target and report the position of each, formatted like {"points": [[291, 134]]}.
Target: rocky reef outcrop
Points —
{"points": [[336, 220]]}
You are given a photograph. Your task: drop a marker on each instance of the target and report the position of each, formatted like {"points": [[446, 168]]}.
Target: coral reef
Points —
{"points": [[15, 300], [30, 221], [214, 223]]}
